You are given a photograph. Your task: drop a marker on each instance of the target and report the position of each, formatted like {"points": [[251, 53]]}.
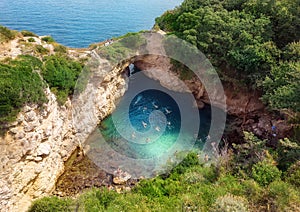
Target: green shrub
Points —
{"points": [[131, 202], [281, 86], [60, 49], [230, 184], [192, 177], [61, 95], [247, 153], [48, 39], [292, 51], [97, 199], [51, 204], [283, 195], [252, 190], [230, 203], [192, 202], [264, 173], [40, 49], [26, 33], [61, 73], [189, 161], [6, 34], [19, 85], [293, 174], [288, 153], [31, 40], [152, 188]]}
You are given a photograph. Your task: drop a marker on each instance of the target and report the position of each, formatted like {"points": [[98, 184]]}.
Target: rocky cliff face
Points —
{"points": [[33, 151]]}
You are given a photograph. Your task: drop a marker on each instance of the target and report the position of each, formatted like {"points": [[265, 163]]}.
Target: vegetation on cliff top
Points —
{"points": [[20, 84], [258, 39], [61, 73], [233, 184], [23, 80], [6, 34]]}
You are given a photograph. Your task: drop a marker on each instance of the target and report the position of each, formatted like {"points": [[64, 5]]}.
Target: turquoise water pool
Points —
{"points": [[149, 130]]}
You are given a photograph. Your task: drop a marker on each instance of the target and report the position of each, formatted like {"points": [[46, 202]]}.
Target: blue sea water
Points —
{"points": [[78, 23]]}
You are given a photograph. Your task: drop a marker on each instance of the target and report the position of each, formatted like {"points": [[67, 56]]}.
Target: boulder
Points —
{"points": [[121, 177], [30, 116], [43, 149]]}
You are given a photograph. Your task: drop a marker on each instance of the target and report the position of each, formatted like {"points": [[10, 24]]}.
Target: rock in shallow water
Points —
{"points": [[120, 177]]}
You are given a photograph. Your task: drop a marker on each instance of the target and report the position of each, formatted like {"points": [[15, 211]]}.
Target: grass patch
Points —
{"points": [[60, 48]]}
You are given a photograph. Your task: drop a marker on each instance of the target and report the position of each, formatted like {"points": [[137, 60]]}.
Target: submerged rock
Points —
{"points": [[121, 177]]}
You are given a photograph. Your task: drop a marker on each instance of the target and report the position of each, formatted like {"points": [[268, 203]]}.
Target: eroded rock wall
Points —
{"points": [[33, 151]]}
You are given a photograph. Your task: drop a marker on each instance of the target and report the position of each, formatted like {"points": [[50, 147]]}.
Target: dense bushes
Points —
{"points": [[61, 74], [264, 173], [51, 204], [20, 84], [48, 39], [258, 39], [193, 186], [282, 86]]}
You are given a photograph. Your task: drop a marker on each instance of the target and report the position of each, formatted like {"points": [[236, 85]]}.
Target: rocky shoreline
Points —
{"points": [[81, 173]]}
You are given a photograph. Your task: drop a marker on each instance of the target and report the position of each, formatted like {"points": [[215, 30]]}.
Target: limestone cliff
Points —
{"points": [[34, 150]]}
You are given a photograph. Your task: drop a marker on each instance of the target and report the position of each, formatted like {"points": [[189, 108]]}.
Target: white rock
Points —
{"points": [[28, 127], [37, 159], [30, 116], [43, 149], [14, 130], [26, 108], [20, 118], [63, 153], [20, 134], [5, 193]]}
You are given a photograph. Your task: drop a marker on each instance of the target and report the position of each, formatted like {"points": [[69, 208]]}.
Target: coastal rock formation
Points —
{"points": [[31, 155], [34, 150], [238, 102], [21, 45]]}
